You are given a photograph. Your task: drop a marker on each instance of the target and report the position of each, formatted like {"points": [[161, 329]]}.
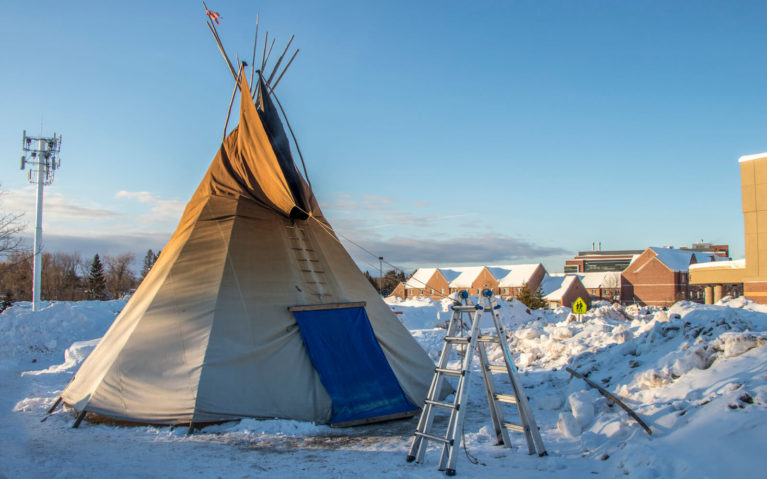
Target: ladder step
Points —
{"points": [[488, 339], [495, 368], [457, 339], [449, 372], [432, 437], [507, 398], [442, 404], [512, 426], [463, 309]]}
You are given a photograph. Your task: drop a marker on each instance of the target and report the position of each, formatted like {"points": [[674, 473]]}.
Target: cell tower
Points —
{"points": [[42, 156]]}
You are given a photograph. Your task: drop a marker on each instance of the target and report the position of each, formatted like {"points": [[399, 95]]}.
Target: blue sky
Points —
{"points": [[435, 133]]}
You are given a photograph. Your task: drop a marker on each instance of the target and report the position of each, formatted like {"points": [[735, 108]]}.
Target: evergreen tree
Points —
{"points": [[96, 283], [372, 280], [149, 261], [7, 301], [531, 299], [391, 279]]}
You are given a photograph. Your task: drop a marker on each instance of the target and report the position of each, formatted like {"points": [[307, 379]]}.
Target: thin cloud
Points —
{"points": [[56, 206], [162, 210], [477, 250], [133, 242]]}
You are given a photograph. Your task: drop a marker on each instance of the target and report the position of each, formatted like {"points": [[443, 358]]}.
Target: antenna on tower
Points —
{"points": [[41, 155]]}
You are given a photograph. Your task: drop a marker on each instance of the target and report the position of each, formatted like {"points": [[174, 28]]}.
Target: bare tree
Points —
{"points": [[611, 285], [119, 277], [10, 227], [61, 278], [16, 275]]}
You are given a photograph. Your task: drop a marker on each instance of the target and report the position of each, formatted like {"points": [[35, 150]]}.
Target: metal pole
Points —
{"points": [[380, 275], [38, 241]]}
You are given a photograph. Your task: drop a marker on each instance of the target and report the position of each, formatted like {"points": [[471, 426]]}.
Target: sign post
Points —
{"points": [[580, 307]]}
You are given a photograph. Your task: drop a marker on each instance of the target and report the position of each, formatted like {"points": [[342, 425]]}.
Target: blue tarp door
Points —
{"points": [[352, 366]]}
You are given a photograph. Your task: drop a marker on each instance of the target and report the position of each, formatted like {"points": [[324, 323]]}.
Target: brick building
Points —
{"points": [[437, 283], [749, 273], [563, 290], [598, 260], [660, 276], [602, 285], [471, 278], [425, 282], [512, 277]]}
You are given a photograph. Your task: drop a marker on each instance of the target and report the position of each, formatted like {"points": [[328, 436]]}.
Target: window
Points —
{"points": [[505, 290]]}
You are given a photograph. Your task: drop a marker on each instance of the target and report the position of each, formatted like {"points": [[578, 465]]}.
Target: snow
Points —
{"points": [[722, 263], [555, 286], [757, 156], [680, 259], [697, 374], [513, 275], [466, 277], [600, 279], [420, 278]]}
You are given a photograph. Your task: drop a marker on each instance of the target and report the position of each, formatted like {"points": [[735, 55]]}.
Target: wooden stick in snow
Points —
{"points": [[611, 397]]}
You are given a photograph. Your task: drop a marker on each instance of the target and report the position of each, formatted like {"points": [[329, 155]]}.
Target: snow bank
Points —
{"points": [[25, 335], [695, 373]]}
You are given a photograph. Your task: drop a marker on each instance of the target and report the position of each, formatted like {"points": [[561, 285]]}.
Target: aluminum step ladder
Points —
{"points": [[474, 341]]}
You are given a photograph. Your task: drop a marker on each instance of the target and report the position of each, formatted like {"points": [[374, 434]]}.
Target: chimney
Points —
{"points": [[592, 246], [600, 246]]}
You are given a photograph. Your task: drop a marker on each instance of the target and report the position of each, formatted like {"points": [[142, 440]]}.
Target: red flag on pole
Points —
{"points": [[213, 15]]}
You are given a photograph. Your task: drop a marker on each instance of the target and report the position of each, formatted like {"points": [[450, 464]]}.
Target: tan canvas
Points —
{"points": [[208, 336]]}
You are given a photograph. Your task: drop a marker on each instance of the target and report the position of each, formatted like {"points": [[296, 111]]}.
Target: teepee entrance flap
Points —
{"points": [[351, 365]]}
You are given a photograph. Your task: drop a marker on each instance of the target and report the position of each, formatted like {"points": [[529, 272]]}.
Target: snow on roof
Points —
{"points": [[757, 156], [680, 259], [725, 264], [555, 286], [466, 277], [552, 282], [451, 273], [420, 278], [600, 279], [513, 275]]}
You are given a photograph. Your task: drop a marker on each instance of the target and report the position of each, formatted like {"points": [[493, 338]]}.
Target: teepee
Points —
{"points": [[254, 308]]}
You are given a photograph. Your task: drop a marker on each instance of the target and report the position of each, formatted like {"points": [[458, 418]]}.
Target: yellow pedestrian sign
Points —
{"points": [[580, 306]]}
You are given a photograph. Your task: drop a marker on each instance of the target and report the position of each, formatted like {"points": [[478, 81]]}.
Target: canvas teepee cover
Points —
{"points": [[208, 336]]}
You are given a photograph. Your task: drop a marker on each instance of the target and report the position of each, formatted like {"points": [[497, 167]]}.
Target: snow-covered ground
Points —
{"points": [[696, 374]]}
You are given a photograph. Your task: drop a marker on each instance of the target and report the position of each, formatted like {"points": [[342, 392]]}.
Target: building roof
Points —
{"points": [[733, 264], [451, 273], [420, 278], [466, 276], [600, 279], [757, 156], [617, 252], [680, 259], [555, 286], [513, 275]]}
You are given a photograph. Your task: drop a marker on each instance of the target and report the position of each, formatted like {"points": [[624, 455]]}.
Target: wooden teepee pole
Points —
{"points": [[279, 60], [231, 102], [253, 61], [266, 59], [283, 71], [221, 48]]}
